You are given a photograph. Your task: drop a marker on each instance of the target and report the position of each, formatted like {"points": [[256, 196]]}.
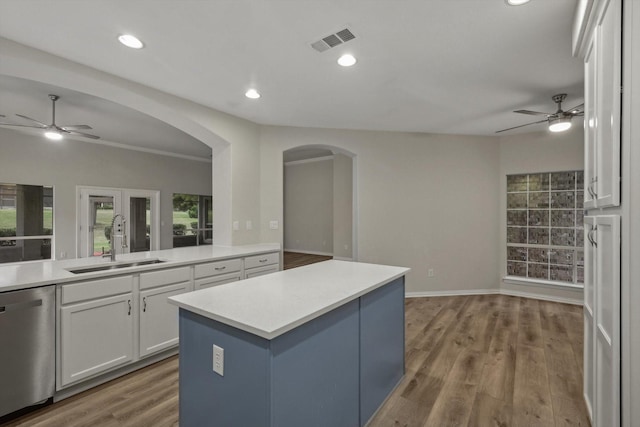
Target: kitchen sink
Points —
{"points": [[105, 267]]}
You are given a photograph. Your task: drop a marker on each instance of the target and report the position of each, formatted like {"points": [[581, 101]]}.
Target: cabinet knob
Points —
{"points": [[220, 268]]}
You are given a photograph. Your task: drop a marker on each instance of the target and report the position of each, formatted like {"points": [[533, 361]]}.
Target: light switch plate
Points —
{"points": [[236, 225], [273, 225], [249, 225], [218, 360]]}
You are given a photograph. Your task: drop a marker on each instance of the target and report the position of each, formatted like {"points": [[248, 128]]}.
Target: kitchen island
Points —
{"points": [[321, 345]]}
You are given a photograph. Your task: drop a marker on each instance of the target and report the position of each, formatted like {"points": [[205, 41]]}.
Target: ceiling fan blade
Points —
{"points": [[532, 113], [516, 127], [86, 135], [76, 127], [577, 107], [22, 126], [33, 120]]}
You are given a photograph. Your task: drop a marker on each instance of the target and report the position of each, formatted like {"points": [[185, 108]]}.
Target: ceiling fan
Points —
{"points": [[558, 121], [53, 131]]}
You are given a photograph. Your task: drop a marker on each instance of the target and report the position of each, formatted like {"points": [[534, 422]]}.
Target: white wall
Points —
{"points": [[424, 201], [236, 184], [34, 160], [308, 206], [529, 153], [342, 206]]}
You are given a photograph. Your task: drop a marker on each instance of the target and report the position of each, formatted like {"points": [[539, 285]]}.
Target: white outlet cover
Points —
{"points": [[218, 360], [236, 225], [273, 225], [249, 225]]}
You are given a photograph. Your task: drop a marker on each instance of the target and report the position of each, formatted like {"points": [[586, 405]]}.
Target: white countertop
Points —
{"points": [[273, 304], [25, 275]]}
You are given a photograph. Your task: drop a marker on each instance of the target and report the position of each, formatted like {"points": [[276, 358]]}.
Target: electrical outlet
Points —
{"points": [[236, 225], [249, 225], [218, 360], [273, 225], [431, 273]]}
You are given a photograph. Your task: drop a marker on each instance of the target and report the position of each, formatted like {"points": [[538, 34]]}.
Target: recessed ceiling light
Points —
{"points": [[252, 93], [53, 135], [516, 2], [130, 41], [347, 60]]}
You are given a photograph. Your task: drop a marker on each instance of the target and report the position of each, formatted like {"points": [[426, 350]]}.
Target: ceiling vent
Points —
{"points": [[333, 40]]}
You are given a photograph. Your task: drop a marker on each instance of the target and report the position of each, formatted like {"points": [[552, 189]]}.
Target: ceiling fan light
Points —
{"points": [[252, 94], [53, 135], [559, 125], [347, 60], [130, 41], [516, 2]]}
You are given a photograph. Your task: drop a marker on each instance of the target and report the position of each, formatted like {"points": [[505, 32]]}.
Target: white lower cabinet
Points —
{"points": [[159, 319], [217, 273], [602, 319], [96, 328], [260, 265]]}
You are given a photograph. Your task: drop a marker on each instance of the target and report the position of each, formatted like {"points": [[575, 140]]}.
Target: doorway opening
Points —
{"points": [[319, 197]]}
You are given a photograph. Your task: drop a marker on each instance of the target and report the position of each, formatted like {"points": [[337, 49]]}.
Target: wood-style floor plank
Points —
{"points": [[482, 361]]}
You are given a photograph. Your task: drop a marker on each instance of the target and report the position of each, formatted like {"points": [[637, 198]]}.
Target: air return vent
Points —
{"points": [[333, 40]]}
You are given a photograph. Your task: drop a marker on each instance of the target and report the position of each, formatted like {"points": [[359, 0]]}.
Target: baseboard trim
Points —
{"points": [[341, 258], [298, 251], [422, 294]]}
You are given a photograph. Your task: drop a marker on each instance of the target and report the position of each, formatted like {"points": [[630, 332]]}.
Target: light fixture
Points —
{"points": [[560, 124], [53, 134], [252, 94], [516, 2], [347, 60], [130, 41]]}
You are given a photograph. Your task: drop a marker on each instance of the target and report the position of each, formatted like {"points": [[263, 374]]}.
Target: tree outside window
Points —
{"points": [[192, 220]]}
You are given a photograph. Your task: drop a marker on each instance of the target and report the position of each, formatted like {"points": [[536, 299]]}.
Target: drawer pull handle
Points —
{"points": [[263, 260], [144, 304], [129, 302], [220, 268]]}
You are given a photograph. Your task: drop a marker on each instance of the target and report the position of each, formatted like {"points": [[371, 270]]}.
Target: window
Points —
{"points": [[192, 220], [26, 222], [545, 226]]}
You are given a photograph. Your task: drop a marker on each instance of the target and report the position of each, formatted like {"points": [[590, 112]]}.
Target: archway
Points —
{"points": [[320, 201]]}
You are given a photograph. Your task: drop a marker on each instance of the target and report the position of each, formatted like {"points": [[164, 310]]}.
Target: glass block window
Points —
{"points": [[545, 226]]}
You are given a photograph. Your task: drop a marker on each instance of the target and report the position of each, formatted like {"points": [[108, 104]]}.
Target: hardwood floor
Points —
{"points": [[486, 360], [295, 259]]}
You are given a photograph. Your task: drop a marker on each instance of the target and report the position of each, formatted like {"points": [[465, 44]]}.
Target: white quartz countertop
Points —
{"points": [[25, 275], [271, 305]]}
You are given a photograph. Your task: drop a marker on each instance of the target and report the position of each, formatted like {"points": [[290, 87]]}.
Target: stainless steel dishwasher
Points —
{"points": [[27, 347]]}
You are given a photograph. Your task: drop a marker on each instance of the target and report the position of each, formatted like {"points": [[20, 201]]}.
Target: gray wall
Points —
{"points": [[342, 206], [530, 153], [308, 206], [31, 159]]}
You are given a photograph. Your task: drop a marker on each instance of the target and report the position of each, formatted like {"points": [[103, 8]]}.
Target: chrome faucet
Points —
{"points": [[112, 252]]}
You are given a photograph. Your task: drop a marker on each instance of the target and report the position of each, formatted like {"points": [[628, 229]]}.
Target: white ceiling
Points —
{"points": [[437, 66]]}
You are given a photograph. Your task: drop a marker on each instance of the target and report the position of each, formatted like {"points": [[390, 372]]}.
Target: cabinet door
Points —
{"points": [[96, 336], [159, 319], [607, 321], [609, 51], [261, 271], [209, 282], [589, 332], [590, 99]]}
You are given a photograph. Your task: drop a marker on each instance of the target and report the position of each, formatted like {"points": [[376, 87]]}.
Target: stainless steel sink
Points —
{"points": [[104, 267]]}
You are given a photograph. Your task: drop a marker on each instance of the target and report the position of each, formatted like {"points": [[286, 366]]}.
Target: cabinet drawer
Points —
{"points": [[221, 279], [164, 277], [96, 289], [260, 260], [261, 271], [219, 267]]}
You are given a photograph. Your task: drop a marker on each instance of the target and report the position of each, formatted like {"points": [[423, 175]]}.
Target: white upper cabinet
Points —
{"points": [[602, 51]]}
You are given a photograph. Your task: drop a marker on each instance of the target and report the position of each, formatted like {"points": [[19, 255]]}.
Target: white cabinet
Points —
{"points": [[159, 319], [217, 273], [96, 328], [602, 105], [260, 265], [602, 319]]}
